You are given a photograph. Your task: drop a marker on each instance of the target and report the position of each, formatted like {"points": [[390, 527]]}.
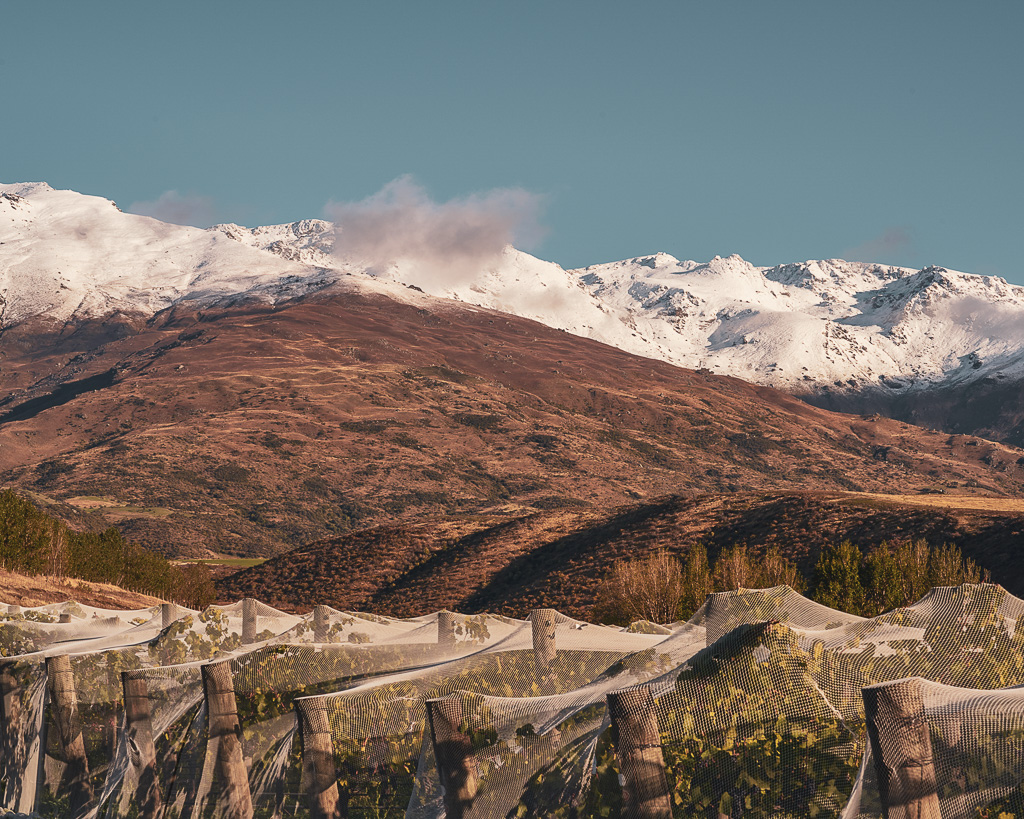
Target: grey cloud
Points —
{"points": [[891, 247], [178, 209]]}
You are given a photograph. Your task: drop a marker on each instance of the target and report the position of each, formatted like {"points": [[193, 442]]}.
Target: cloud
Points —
{"points": [[449, 242], [892, 246], [178, 209]]}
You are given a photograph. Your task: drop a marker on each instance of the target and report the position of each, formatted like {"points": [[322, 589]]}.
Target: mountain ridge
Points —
{"points": [[852, 336]]}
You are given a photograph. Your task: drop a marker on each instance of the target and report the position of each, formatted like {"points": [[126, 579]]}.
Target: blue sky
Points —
{"points": [[781, 131]]}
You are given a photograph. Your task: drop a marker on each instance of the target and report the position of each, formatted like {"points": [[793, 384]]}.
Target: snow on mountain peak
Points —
{"points": [[808, 326]]}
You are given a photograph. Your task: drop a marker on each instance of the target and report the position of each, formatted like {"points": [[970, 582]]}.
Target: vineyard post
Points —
{"points": [[248, 621], [453, 752], [446, 629], [637, 740], [139, 729], [318, 759], [225, 739], [902, 748], [321, 623], [13, 746], [64, 701], [168, 614], [544, 648]]}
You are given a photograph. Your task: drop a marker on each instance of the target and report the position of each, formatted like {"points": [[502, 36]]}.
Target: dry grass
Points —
{"points": [[24, 590], [972, 502]]}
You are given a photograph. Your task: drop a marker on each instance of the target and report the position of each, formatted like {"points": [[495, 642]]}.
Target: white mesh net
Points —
{"points": [[754, 707]]}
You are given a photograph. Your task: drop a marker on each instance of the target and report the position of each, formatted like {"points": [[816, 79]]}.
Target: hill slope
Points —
{"points": [[255, 428], [559, 558]]}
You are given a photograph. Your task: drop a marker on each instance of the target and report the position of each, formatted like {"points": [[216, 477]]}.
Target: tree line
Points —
{"points": [[662, 588], [33, 543]]}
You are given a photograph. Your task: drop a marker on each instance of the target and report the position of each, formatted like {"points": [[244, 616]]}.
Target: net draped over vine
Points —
{"points": [[753, 707]]}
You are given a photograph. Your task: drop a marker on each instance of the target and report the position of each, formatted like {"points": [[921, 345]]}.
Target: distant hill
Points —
{"points": [[559, 558]]}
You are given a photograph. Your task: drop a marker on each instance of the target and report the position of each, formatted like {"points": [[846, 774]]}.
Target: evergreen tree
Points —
{"points": [[837, 581], [884, 587]]}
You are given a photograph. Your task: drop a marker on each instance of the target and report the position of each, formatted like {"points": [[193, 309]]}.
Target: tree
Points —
{"points": [[650, 588], [697, 581], [734, 570], [837, 581], [884, 586]]}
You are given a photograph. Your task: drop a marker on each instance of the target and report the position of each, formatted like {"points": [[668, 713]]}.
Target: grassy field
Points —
{"points": [[973, 502], [112, 508], [233, 562]]}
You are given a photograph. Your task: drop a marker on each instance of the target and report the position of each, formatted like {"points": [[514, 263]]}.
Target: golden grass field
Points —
{"points": [[23, 590], [973, 502]]}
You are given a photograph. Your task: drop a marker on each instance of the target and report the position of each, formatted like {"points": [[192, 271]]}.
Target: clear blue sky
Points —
{"points": [[781, 131]]}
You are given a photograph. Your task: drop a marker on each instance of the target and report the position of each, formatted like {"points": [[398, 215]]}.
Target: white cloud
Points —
{"points": [[449, 241]]}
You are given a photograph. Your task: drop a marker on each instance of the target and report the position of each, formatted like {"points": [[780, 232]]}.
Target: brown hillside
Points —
{"points": [[558, 558], [252, 430], [25, 590]]}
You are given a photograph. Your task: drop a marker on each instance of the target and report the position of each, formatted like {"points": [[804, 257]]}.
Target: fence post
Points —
{"points": [[902, 749], [453, 751], [248, 621], [225, 737], [544, 648], [321, 776], [139, 730], [64, 702], [13, 745], [645, 793], [168, 614], [321, 624], [446, 629]]}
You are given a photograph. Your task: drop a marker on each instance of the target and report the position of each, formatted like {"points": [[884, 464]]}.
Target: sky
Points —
{"points": [[781, 131]]}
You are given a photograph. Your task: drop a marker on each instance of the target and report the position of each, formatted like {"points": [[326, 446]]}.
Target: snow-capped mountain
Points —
{"points": [[813, 327]]}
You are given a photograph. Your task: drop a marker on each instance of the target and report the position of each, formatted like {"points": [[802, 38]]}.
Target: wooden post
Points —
{"points": [[225, 738], [544, 649], [453, 751], [446, 629], [168, 614], [325, 802], [321, 624], [645, 793], [248, 621], [64, 704], [12, 751], [902, 749], [139, 734]]}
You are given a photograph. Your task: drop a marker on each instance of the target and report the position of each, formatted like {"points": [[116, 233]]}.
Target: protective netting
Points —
{"points": [[754, 707], [374, 734]]}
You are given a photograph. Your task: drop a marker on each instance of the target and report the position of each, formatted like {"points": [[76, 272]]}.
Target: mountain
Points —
{"points": [[243, 391], [848, 336]]}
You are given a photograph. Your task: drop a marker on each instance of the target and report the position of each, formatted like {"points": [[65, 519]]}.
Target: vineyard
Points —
{"points": [[763, 704]]}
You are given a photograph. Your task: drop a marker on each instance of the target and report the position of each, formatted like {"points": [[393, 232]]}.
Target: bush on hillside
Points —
{"points": [[31, 542]]}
